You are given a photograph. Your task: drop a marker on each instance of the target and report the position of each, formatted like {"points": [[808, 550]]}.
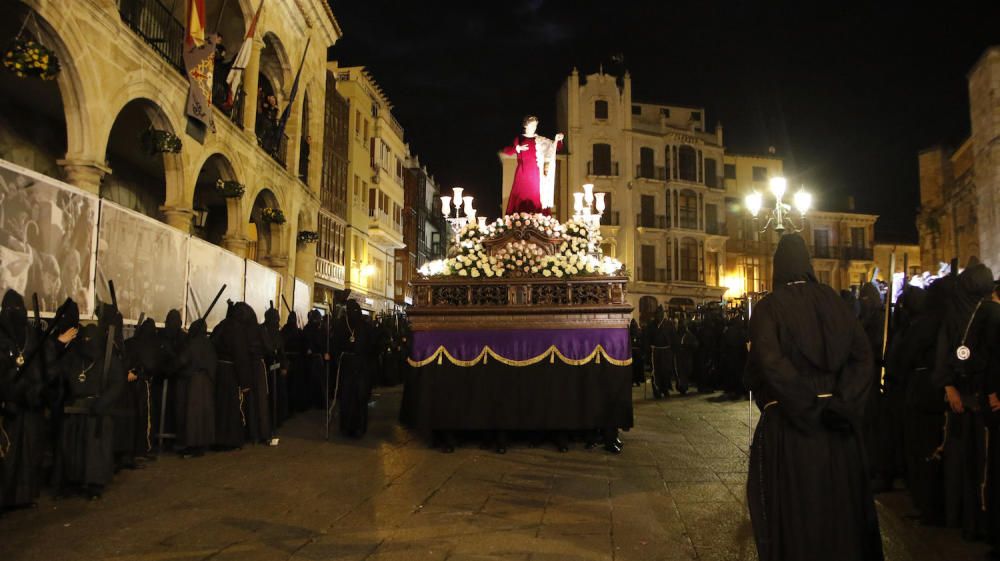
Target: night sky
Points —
{"points": [[848, 96]]}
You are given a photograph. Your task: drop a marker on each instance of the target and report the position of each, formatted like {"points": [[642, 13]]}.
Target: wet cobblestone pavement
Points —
{"points": [[675, 493]]}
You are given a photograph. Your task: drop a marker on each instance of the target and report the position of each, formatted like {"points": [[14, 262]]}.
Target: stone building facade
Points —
{"points": [[121, 75], [960, 188], [675, 214]]}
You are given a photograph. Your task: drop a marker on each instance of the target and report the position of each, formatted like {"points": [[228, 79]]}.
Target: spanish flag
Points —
{"points": [[195, 23]]}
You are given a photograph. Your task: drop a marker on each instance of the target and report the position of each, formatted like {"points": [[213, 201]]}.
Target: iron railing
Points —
{"points": [[156, 25]]}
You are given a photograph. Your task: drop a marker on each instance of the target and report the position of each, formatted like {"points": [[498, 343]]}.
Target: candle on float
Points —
{"points": [[446, 205]]}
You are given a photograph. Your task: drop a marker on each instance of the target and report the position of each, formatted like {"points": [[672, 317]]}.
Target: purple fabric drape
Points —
{"points": [[523, 344]]}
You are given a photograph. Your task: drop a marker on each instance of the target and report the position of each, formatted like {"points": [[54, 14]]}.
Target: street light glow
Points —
{"points": [[778, 186], [803, 201], [754, 201]]}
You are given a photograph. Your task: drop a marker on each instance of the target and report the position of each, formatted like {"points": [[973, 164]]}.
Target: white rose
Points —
{"points": [[547, 273], [458, 265], [463, 273], [475, 272], [559, 273]]}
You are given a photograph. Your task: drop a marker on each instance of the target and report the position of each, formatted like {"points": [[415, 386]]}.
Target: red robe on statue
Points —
{"points": [[525, 193]]}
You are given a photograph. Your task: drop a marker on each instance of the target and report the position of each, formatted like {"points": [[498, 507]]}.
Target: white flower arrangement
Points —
{"points": [[579, 251]]}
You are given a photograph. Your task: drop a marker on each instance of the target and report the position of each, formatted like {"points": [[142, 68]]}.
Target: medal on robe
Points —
{"points": [[963, 352], [19, 360], [352, 338], [82, 377]]}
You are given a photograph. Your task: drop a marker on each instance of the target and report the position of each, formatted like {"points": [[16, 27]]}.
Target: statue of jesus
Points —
{"points": [[533, 190]]}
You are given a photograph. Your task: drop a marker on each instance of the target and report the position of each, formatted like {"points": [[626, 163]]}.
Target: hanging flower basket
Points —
{"points": [[272, 215], [229, 188], [160, 142], [27, 58], [308, 236]]}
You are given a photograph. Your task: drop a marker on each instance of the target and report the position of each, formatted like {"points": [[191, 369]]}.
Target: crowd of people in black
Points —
{"points": [[79, 403], [854, 402], [705, 350]]}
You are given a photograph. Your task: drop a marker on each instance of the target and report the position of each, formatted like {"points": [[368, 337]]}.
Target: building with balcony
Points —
{"points": [[423, 227], [376, 151], [121, 85], [661, 171], [841, 243], [331, 249]]}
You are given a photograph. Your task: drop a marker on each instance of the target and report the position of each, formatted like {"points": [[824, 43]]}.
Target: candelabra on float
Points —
{"points": [[458, 221], [588, 207]]}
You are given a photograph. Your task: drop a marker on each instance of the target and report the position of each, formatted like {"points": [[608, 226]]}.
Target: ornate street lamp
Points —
{"points": [[780, 217]]}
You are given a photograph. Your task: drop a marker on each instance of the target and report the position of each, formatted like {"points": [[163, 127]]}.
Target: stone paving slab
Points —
{"points": [[677, 493]]}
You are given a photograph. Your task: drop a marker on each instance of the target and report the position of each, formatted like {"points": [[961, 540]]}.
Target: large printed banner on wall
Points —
{"points": [[302, 302], [263, 287], [147, 260], [48, 232], [210, 267]]}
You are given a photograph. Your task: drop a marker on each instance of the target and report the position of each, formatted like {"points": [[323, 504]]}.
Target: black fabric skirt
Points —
{"points": [[495, 396], [809, 494]]}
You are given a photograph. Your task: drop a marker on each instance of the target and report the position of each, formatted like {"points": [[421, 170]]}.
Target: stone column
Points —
{"points": [[250, 82], [236, 244], [178, 217], [84, 173]]}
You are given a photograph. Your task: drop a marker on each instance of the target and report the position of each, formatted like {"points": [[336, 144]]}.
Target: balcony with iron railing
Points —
{"points": [[329, 271], [824, 252], [651, 275], [654, 222], [611, 218], [154, 22], [856, 253], [657, 173], [609, 170]]}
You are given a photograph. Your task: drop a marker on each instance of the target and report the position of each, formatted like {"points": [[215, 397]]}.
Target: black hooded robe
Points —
{"points": [[196, 377], [230, 422], [352, 347], [966, 454], [88, 427], [911, 361], [134, 433], [22, 387], [810, 370], [638, 356], [277, 365], [661, 339], [294, 344]]}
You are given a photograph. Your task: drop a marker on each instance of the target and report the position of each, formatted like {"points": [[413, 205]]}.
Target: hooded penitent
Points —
{"points": [[14, 317]]}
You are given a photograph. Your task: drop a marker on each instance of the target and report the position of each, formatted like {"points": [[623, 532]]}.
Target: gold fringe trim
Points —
{"points": [[551, 353]]}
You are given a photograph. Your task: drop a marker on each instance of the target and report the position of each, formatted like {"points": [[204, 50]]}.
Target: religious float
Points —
{"points": [[523, 327]]}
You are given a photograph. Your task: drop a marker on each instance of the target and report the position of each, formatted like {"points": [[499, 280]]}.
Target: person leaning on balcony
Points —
{"points": [[810, 370]]}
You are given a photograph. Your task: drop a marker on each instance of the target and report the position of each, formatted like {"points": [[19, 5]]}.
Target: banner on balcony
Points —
{"points": [[210, 267], [199, 62], [147, 260], [48, 232]]}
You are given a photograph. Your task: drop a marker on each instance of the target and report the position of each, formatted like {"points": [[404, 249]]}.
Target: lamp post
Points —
{"points": [[780, 216]]}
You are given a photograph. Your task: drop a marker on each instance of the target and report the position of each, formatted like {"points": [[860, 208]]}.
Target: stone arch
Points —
{"points": [[221, 214], [75, 135], [136, 169], [267, 237], [276, 65]]}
